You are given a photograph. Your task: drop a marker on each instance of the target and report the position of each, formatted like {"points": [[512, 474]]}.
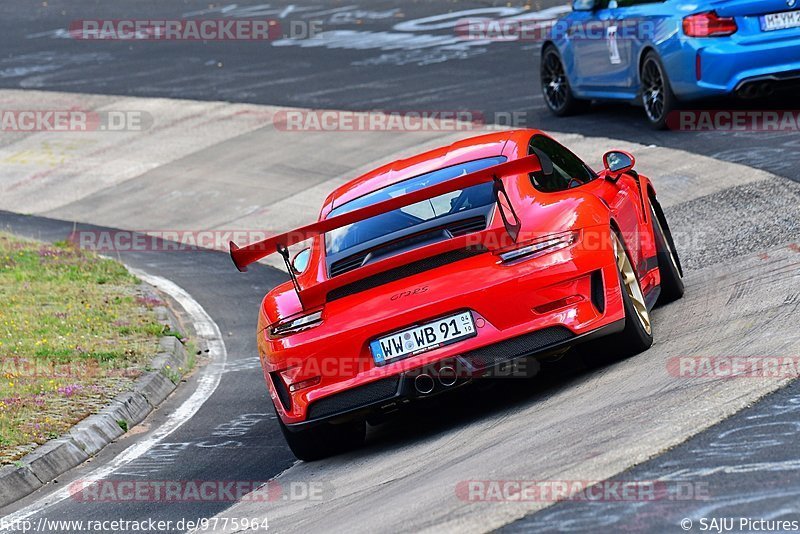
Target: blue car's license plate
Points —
{"points": [[423, 338], [780, 21]]}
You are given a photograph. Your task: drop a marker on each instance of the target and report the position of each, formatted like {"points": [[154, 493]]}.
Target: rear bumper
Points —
{"points": [[765, 85], [390, 394], [557, 299], [731, 66]]}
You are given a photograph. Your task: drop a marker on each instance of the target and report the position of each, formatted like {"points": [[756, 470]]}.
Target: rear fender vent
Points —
{"points": [[283, 393], [598, 291]]}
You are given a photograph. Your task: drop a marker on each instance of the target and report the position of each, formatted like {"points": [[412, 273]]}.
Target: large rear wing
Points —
{"points": [[244, 256]]}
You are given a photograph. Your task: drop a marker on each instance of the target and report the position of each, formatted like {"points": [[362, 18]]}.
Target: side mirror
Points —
{"points": [[583, 5], [300, 261], [618, 163]]}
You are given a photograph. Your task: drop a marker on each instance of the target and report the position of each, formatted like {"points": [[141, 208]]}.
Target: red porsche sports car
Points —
{"points": [[430, 272]]}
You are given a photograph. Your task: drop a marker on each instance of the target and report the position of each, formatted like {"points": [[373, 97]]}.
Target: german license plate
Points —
{"points": [[423, 338], [780, 21]]}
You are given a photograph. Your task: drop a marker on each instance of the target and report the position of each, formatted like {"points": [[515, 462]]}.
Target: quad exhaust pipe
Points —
{"points": [[757, 90]]}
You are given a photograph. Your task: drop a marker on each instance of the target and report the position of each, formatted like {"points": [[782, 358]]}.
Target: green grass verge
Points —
{"points": [[75, 331]]}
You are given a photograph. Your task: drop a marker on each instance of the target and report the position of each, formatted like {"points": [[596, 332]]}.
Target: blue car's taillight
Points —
{"points": [[709, 24]]}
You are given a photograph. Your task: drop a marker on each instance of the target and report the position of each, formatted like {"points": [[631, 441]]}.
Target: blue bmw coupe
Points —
{"points": [[659, 53]]}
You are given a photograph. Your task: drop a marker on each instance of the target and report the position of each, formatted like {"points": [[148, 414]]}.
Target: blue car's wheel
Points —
{"points": [[657, 96], [555, 86]]}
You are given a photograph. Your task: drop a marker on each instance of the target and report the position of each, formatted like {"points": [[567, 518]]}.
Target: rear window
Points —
{"points": [[358, 233]]}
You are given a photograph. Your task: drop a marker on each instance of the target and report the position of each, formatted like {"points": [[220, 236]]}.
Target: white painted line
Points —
{"points": [[208, 331]]}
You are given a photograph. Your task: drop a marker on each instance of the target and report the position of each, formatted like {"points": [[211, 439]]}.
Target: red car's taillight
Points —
{"points": [[295, 325], [709, 25], [541, 247]]}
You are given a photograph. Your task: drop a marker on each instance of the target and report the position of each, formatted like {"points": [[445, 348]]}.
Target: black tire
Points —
{"points": [[633, 340], [657, 96], [325, 440], [555, 86], [669, 263]]}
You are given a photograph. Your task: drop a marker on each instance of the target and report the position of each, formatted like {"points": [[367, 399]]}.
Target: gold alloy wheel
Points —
{"points": [[631, 285], [666, 242]]}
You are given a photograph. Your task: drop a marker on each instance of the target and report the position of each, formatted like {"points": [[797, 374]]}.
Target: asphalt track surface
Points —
{"points": [[748, 463], [741, 458], [375, 55]]}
